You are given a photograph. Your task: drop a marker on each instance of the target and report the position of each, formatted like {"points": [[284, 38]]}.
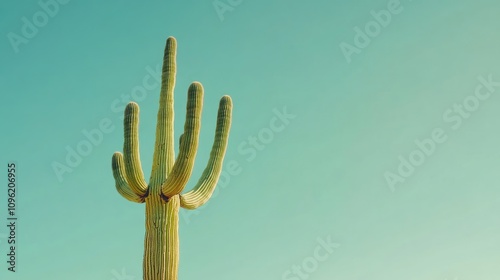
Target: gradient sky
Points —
{"points": [[321, 176]]}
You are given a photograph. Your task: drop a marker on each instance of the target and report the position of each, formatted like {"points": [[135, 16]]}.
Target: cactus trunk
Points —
{"points": [[161, 244]]}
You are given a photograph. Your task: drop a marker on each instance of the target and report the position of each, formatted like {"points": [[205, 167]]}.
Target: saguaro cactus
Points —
{"points": [[169, 176]]}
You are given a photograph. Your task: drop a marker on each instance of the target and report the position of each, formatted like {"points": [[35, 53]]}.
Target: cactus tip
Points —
{"points": [[132, 106], [171, 41], [226, 99], [195, 87]]}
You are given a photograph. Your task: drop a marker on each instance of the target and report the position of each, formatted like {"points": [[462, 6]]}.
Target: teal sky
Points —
{"points": [[322, 175]]}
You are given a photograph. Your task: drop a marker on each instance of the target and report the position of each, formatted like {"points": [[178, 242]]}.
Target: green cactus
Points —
{"points": [[162, 195]]}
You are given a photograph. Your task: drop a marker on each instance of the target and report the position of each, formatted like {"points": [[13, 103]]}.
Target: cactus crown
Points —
{"points": [[170, 175]]}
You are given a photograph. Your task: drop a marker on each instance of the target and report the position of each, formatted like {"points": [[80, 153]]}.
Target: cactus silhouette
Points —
{"points": [[169, 175]]}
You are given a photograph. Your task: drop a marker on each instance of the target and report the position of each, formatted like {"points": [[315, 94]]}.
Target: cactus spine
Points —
{"points": [[169, 176]]}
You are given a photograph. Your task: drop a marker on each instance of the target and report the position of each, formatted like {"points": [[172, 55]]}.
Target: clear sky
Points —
{"points": [[372, 126]]}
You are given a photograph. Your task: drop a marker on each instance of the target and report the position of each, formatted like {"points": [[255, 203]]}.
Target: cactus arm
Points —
{"points": [[133, 169], [180, 139], [188, 142], [163, 157], [203, 190], [120, 182]]}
